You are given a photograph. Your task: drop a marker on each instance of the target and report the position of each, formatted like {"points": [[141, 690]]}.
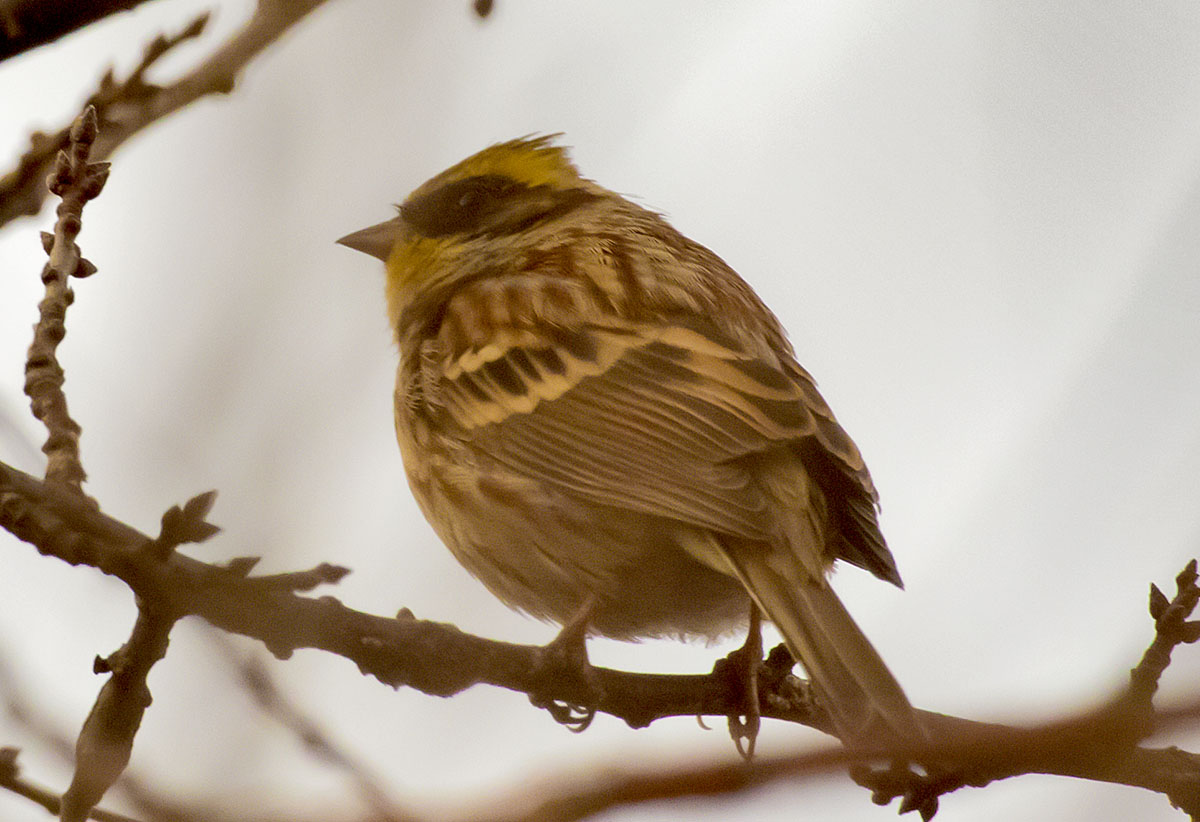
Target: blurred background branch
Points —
{"points": [[126, 107], [27, 24]]}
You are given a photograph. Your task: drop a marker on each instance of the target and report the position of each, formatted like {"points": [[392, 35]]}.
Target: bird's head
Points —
{"points": [[481, 209]]}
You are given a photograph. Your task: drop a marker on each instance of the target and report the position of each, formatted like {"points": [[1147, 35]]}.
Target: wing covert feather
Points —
{"points": [[651, 419]]}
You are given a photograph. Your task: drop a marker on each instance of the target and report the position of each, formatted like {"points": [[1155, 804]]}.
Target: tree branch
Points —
{"points": [[126, 108], [435, 658], [440, 660], [106, 740]]}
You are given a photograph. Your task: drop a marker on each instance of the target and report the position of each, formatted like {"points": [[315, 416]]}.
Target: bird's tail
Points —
{"points": [[851, 680]]}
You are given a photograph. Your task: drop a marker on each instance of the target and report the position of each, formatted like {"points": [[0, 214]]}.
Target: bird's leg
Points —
{"points": [[746, 660], [564, 662], [572, 637]]}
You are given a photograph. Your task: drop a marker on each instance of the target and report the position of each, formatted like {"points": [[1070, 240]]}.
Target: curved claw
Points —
{"points": [[575, 718], [745, 729], [744, 664]]}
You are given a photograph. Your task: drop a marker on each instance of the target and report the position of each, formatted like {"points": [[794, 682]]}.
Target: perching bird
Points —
{"points": [[608, 427]]}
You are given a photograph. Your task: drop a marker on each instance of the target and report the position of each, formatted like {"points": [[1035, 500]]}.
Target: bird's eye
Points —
{"points": [[478, 193], [460, 206]]}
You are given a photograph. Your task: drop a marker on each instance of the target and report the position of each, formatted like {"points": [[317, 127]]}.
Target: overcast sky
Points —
{"points": [[977, 220]]}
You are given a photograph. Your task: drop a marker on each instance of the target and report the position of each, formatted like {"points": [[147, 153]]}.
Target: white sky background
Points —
{"points": [[978, 221]]}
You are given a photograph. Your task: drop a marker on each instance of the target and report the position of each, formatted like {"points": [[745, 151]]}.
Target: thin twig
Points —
{"points": [[76, 181], [1171, 628], [11, 780]]}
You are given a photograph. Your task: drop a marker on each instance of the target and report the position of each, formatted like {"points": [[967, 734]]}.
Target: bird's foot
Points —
{"points": [[563, 668], [742, 667], [918, 788]]}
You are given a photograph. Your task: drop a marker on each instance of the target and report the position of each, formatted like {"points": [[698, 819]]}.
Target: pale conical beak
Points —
{"points": [[377, 240]]}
